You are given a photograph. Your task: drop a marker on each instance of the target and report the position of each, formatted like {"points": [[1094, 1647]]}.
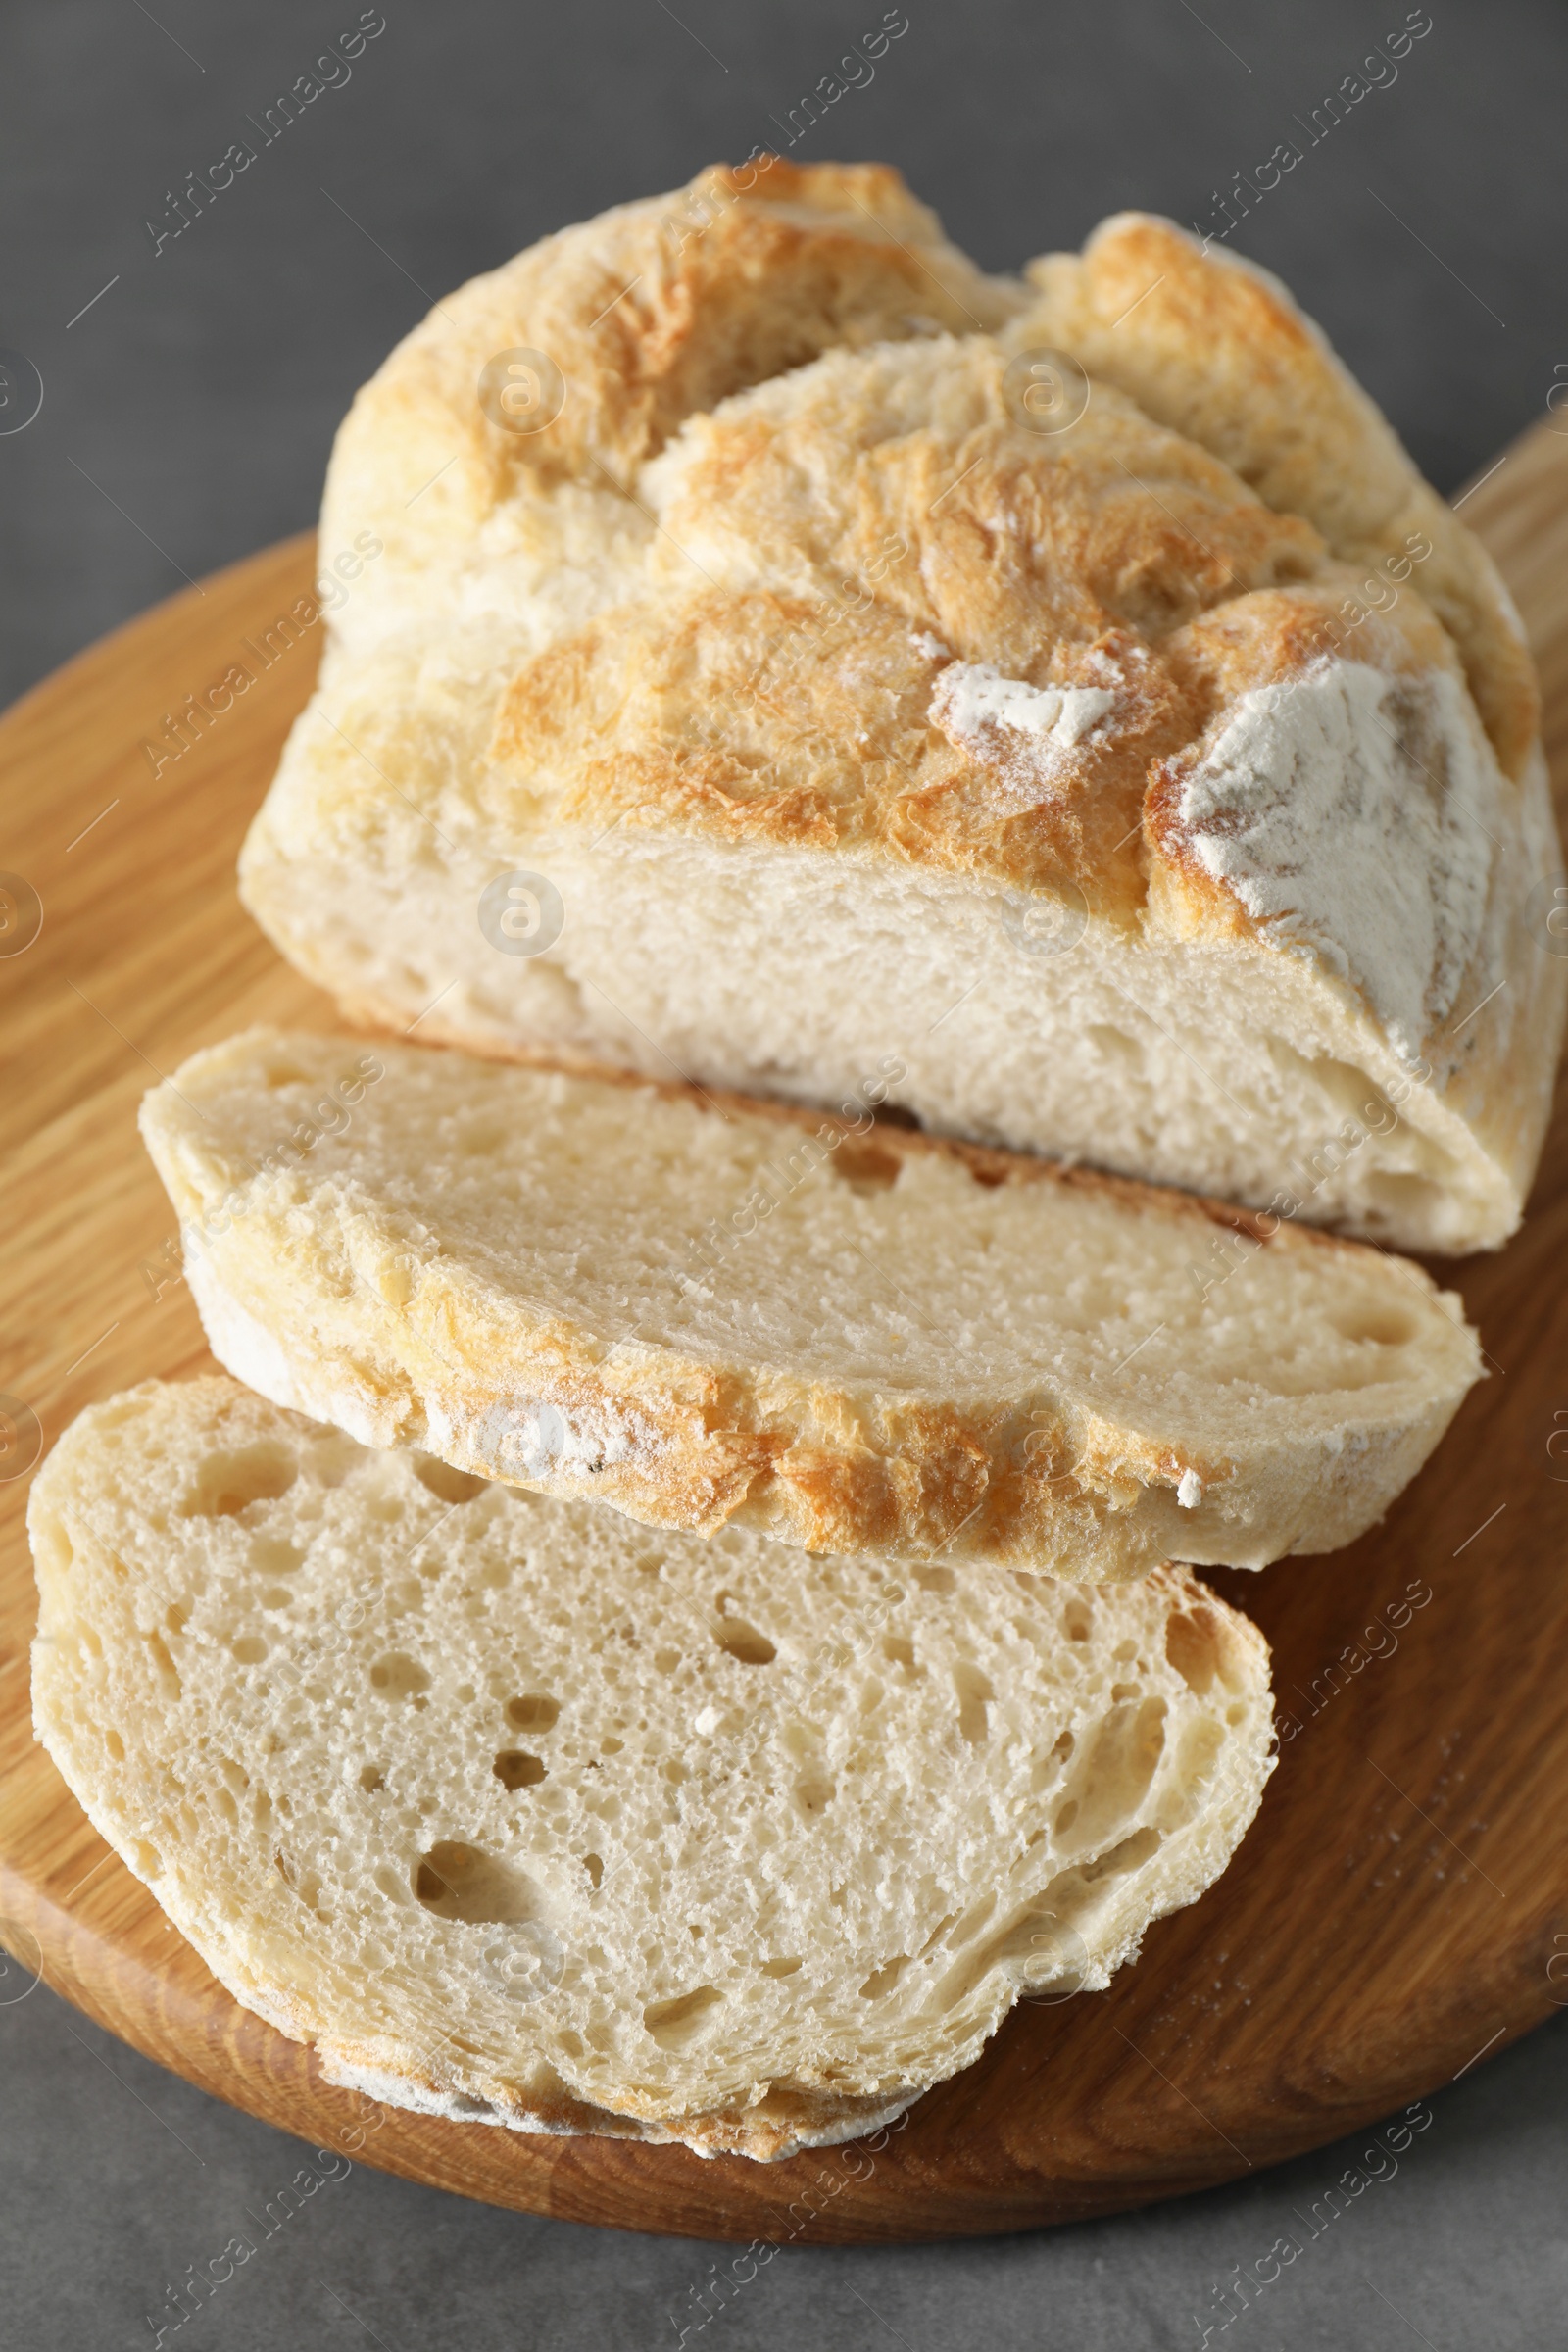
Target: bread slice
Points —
{"points": [[713, 1314], [1066, 688], [522, 1814]]}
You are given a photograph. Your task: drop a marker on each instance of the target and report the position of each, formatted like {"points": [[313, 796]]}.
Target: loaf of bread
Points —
{"points": [[795, 654], [712, 1313], [522, 1814]]}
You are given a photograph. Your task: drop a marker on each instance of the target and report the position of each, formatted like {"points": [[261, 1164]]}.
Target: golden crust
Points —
{"points": [[651, 313], [731, 591], [1214, 346], [753, 719], [820, 1465], [757, 673], [829, 545], [911, 1479], [783, 2120], [803, 712]]}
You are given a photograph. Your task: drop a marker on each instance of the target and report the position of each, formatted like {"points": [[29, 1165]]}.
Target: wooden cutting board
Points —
{"points": [[1398, 1911]]}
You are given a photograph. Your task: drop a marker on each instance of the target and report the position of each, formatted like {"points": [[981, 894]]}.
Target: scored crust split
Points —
{"points": [[526, 1815], [1064, 688]]}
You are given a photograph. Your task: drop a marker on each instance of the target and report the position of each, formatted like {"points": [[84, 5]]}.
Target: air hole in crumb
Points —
{"points": [[937, 1932], [974, 1691], [674, 2023], [372, 1779], [1389, 1329], [303, 1882], [450, 1484], [1066, 1815], [515, 1768], [1129, 1854], [991, 1178], [898, 1651], [276, 1596], [1121, 1690], [464, 1882], [936, 1579], [593, 1864], [398, 1676], [534, 1711], [779, 1967], [883, 1980], [480, 1137], [271, 1555], [286, 1073], [743, 1643], [115, 1744], [1115, 1046], [228, 1482], [666, 1660], [1078, 1624], [813, 1793], [1191, 1645], [867, 1167], [168, 1670], [249, 1648]]}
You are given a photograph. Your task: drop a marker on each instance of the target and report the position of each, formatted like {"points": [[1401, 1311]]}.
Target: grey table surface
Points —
{"points": [[190, 396]]}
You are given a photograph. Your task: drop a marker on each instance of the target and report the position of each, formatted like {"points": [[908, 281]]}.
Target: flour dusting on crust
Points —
{"points": [[1029, 732], [1352, 814]]}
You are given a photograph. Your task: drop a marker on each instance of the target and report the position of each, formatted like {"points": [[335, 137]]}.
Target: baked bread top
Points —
{"points": [[1213, 346], [756, 512]]}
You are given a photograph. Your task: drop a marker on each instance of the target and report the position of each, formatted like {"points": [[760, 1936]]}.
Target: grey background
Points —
{"points": [[187, 420]]}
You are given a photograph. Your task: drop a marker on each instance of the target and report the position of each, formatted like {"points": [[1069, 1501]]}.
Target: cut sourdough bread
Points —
{"points": [[1068, 688], [522, 1814], [710, 1313]]}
